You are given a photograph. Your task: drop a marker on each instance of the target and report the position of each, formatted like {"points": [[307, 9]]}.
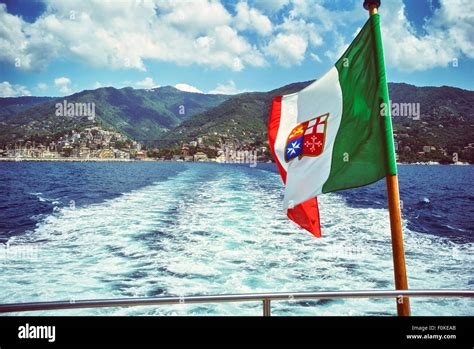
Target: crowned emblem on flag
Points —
{"points": [[307, 138]]}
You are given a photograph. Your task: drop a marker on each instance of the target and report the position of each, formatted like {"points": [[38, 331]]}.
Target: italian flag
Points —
{"points": [[331, 135]]}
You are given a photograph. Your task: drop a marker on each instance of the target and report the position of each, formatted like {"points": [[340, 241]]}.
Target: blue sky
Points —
{"points": [[57, 47]]}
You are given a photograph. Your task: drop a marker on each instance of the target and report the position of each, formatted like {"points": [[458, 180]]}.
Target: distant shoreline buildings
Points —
{"points": [[90, 143], [96, 144]]}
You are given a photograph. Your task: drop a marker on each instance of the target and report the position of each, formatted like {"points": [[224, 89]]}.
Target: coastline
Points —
{"points": [[67, 160], [9, 159]]}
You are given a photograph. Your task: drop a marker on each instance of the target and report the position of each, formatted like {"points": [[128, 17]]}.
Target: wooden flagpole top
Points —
{"points": [[372, 6], [369, 3]]}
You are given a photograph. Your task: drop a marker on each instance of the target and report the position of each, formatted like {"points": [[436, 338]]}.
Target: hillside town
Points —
{"points": [[97, 144], [91, 143]]}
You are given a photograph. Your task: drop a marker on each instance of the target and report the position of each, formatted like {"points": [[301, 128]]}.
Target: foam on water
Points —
{"points": [[198, 233]]}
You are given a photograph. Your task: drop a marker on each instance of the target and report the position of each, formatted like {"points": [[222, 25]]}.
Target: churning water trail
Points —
{"points": [[220, 229]]}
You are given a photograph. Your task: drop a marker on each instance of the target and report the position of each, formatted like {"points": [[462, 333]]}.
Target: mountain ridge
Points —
{"points": [[138, 113]]}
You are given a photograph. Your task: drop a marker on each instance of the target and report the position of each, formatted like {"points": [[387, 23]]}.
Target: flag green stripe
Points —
{"points": [[360, 154], [391, 162]]}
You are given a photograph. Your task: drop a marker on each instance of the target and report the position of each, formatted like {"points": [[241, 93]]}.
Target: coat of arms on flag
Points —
{"points": [[307, 138]]}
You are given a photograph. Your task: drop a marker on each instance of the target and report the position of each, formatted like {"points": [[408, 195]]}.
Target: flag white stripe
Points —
{"points": [[288, 120], [306, 176]]}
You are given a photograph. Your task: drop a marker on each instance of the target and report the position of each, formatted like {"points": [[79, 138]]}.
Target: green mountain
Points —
{"points": [[11, 106], [143, 115], [442, 117], [446, 123]]}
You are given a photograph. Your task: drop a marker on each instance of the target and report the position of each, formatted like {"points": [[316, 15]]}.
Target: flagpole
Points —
{"points": [[401, 282]]}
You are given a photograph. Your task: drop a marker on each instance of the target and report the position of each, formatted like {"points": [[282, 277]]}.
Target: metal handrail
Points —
{"points": [[265, 298]]}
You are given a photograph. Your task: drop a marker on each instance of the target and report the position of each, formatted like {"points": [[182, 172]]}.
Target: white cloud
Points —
{"points": [[315, 57], [63, 84], [24, 46], [99, 84], [224, 44], [203, 32], [42, 87], [312, 20], [458, 16], [312, 9], [146, 83], [302, 28], [294, 36], [9, 90], [449, 35], [195, 16], [108, 34], [187, 88], [338, 48], [251, 19], [327, 20], [287, 49], [226, 89]]}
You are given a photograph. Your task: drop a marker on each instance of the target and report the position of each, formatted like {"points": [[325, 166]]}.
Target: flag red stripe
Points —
{"points": [[306, 214], [273, 126]]}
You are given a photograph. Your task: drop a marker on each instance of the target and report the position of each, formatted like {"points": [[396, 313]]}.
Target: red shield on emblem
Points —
{"points": [[307, 138]]}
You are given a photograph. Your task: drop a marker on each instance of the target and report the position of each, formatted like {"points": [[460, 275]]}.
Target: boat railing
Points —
{"points": [[264, 298]]}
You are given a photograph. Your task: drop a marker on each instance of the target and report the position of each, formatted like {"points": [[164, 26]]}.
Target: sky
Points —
{"points": [[59, 47]]}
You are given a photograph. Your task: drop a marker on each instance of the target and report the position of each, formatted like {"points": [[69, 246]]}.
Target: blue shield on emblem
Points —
{"points": [[294, 148]]}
